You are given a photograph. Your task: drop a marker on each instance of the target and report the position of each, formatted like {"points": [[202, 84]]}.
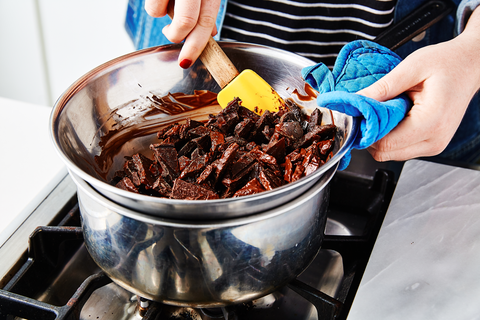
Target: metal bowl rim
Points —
{"points": [[102, 185], [180, 223]]}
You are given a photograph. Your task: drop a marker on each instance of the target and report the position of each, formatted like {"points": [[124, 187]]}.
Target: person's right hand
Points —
{"points": [[194, 22], [440, 80]]}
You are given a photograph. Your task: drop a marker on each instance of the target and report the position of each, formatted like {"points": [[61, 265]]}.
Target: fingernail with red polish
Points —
{"points": [[185, 63]]}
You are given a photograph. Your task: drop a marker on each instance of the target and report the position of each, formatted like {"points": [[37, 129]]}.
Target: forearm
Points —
{"points": [[469, 40]]}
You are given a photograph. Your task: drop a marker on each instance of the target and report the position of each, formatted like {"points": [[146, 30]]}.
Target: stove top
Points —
{"points": [[57, 279]]}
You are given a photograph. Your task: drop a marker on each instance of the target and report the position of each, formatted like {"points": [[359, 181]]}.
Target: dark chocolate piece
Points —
{"points": [[189, 191], [162, 187], [127, 184], [166, 155], [252, 187], [142, 165]]}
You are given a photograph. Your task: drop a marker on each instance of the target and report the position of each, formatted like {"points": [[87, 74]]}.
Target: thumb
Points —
{"points": [[389, 86]]}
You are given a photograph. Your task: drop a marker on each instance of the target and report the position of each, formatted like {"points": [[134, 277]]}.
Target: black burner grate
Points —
{"points": [[33, 293]]}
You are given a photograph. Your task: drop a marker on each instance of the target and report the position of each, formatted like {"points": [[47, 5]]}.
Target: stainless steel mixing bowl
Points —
{"points": [[112, 104], [204, 263]]}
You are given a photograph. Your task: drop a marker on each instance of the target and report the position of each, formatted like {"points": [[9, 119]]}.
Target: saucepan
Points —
{"points": [[211, 263], [110, 113], [191, 253]]}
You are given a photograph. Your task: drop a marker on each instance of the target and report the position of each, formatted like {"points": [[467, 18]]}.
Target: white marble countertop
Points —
{"points": [[426, 261], [30, 165]]}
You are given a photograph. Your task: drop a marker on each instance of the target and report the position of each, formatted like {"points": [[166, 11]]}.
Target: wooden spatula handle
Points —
{"points": [[217, 63], [213, 57]]}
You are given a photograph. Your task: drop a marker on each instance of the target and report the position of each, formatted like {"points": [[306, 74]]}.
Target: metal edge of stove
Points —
{"points": [[330, 282], [13, 251]]}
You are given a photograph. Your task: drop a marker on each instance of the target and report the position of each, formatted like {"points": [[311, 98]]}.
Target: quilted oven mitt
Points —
{"points": [[359, 64]]}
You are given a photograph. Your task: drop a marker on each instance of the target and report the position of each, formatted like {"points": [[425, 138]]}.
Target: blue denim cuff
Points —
{"points": [[464, 10]]}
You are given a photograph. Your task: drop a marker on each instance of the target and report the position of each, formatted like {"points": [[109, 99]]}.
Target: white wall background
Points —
{"points": [[45, 45]]}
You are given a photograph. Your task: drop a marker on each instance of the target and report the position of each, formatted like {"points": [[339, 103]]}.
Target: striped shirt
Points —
{"points": [[316, 30]]}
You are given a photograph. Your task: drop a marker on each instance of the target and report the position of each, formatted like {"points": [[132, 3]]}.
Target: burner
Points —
{"points": [[59, 280]]}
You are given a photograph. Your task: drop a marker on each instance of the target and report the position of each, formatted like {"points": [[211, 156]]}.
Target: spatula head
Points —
{"points": [[254, 92]]}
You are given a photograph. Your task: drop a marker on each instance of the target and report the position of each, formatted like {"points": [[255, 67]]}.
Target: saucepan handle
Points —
{"points": [[415, 23]]}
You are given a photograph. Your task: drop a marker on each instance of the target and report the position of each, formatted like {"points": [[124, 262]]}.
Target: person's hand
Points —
{"points": [[193, 21], [440, 80]]}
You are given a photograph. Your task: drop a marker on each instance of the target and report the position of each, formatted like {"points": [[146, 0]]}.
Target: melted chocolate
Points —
{"points": [[310, 93], [178, 106]]}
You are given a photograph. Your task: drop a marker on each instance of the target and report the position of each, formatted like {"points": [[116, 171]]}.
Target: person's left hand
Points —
{"points": [[440, 80]]}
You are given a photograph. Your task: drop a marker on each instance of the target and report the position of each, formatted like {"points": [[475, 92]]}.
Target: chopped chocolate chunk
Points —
{"points": [[161, 133], [195, 167], [187, 149], [252, 187], [243, 162], [226, 159], [264, 157], [127, 184], [142, 165], [227, 120], [293, 108], [315, 119], [190, 191], [174, 131], [287, 117], [203, 142], [326, 147], [183, 162], [232, 139], [296, 155], [131, 171], [298, 173], [268, 179], [250, 146], [276, 148], [162, 187], [316, 134], [155, 169], [291, 130], [243, 128], [288, 172], [312, 165], [166, 156], [247, 113], [191, 124], [234, 181], [268, 132], [217, 139], [265, 120], [198, 132], [207, 173]]}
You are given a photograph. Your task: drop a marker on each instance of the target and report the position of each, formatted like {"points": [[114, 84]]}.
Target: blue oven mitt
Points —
{"points": [[359, 64]]}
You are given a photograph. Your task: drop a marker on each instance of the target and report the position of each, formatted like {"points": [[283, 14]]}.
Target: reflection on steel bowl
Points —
{"points": [[204, 264], [115, 100]]}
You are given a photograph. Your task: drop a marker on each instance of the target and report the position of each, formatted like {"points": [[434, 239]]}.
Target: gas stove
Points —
{"points": [[57, 279]]}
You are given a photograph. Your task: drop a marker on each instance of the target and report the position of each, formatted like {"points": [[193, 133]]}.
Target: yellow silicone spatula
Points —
{"points": [[254, 92]]}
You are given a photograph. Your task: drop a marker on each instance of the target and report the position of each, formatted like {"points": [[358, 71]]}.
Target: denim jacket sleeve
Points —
{"points": [[442, 31], [465, 9]]}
